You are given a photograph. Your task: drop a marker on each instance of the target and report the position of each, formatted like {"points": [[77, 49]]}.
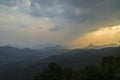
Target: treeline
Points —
{"points": [[109, 69]]}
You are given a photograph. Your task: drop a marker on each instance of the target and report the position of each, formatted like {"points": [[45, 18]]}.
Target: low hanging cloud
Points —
{"points": [[100, 37]]}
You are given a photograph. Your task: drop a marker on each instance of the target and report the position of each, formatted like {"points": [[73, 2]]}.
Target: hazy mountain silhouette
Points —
{"points": [[92, 46], [24, 63]]}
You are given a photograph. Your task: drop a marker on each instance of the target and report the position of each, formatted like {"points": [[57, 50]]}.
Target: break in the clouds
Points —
{"points": [[30, 22], [100, 37]]}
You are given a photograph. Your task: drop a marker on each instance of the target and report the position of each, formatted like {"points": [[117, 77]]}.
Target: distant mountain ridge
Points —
{"points": [[39, 47], [9, 54], [76, 58], [92, 46]]}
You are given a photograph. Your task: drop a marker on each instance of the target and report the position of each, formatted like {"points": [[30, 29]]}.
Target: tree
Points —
{"points": [[53, 72], [117, 66], [91, 73], [68, 74], [107, 68]]}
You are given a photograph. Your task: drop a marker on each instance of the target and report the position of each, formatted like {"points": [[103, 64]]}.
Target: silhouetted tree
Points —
{"points": [[107, 68], [68, 74], [117, 64], [117, 67], [91, 73], [53, 72]]}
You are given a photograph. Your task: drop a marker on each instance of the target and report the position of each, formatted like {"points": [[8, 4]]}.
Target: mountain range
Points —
{"points": [[22, 64]]}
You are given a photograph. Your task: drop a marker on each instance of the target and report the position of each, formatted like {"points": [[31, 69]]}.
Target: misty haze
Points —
{"points": [[59, 40]]}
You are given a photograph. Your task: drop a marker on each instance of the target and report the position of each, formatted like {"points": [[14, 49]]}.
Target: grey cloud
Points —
{"points": [[92, 4], [46, 3], [54, 29], [94, 9], [47, 8], [8, 2], [93, 13]]}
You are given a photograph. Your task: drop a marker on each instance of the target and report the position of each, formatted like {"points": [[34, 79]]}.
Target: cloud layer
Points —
{"points": [[29, 22]]}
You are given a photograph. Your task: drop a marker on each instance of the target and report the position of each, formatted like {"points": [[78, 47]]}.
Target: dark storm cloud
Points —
{"points": [[92, 13], [92, 4], [90, 9], [96, 9]]}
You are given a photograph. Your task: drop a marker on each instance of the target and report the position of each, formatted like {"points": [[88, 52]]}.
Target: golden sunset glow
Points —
{"points": [[100, 37]]}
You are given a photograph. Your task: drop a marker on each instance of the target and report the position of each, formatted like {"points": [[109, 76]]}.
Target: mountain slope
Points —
{"points": [[10, 55], [77, 58]]}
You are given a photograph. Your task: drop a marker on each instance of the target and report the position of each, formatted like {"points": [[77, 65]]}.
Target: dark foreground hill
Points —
{"points": [[76, 59]]}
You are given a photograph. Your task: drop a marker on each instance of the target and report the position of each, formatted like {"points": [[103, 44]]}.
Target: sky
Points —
{"points": [[71, 23]]}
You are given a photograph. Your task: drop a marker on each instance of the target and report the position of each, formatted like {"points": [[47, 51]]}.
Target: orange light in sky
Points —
{"points": [[102, 36]]}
